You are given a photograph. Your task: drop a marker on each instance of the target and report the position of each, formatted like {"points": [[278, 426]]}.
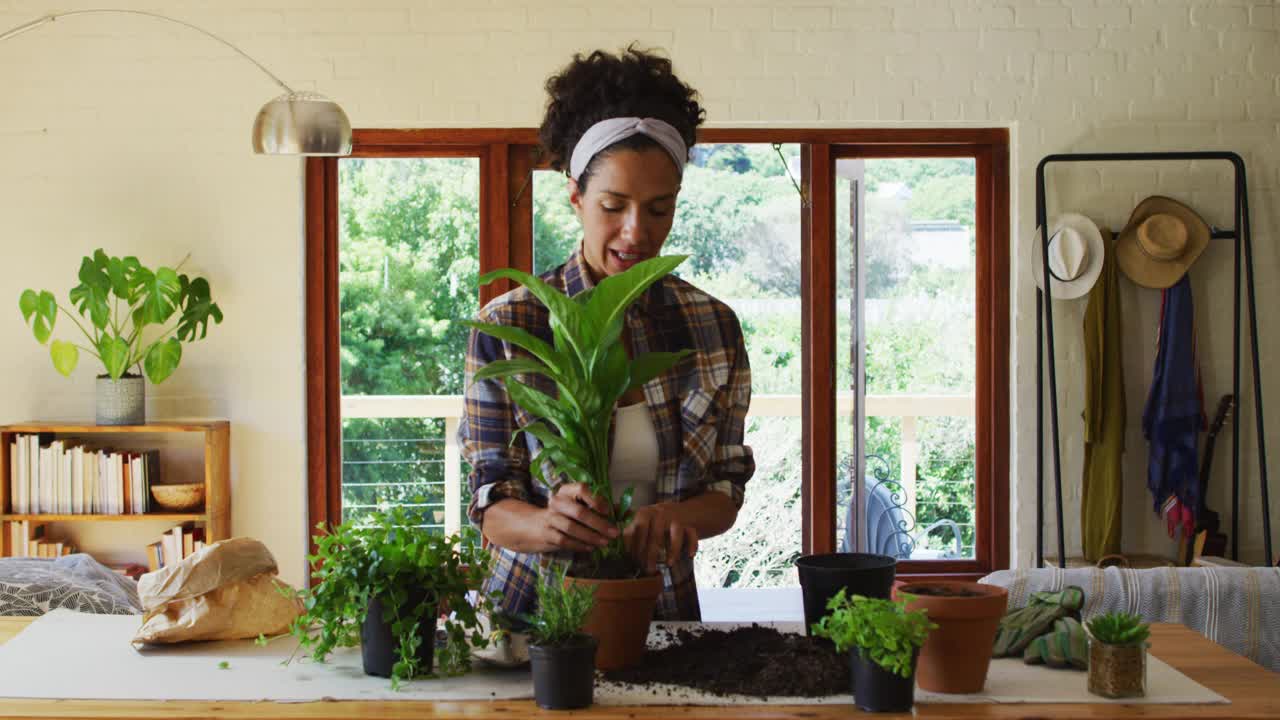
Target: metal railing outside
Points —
{"points": [[908, 408]]}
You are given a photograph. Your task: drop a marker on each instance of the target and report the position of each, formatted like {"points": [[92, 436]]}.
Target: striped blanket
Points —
{"points": [[1238, 608]]}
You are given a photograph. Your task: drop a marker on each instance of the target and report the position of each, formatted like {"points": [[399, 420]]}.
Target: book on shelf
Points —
{"points": [[126, 483], [50, 475], [129, 570], [177, 543], [26, 540]]}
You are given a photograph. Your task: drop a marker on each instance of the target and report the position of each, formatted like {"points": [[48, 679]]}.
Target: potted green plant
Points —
{"points": [[563, 657], [121, 300], [957, 656], [591, 371], [883, 640], [384, 582], [1118, 655]]}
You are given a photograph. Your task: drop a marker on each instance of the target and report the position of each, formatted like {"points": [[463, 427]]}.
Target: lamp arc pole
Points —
{"points": [[296, 123]]}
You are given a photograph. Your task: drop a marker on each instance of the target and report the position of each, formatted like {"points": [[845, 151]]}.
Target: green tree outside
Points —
{"points": [[409, 276]]}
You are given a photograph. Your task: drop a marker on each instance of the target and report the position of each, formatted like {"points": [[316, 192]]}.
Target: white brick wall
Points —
{"points": [[133, 135]]}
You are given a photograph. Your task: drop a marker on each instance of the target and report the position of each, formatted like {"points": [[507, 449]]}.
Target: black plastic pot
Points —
{"points": [[878, 690], [564, 675], [822, 576], [380, 649]]}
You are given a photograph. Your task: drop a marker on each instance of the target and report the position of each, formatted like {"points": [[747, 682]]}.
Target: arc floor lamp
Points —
{"points": [[296, 123]]}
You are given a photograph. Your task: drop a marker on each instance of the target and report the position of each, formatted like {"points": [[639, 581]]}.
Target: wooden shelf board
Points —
{"points": [[71, 427], [134, 517]]}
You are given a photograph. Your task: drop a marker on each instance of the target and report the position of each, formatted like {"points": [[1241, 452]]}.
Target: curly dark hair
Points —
{"points": [[603, 85]]}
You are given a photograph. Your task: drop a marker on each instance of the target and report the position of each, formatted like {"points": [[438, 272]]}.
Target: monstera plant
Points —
{"points": [[121, 299], [591, 371]]}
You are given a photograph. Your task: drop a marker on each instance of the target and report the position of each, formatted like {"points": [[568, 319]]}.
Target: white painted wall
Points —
{"points": [[133, 135]]}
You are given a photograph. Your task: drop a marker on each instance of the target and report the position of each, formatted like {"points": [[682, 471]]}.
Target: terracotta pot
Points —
{"points": [[957, 654], [620, 618]]}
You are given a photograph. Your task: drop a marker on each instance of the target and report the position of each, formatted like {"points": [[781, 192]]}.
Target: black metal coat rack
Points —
{"points": [[1044, 330]]}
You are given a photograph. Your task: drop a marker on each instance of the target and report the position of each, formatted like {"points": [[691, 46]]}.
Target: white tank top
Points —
{"points": [[634, 462]]}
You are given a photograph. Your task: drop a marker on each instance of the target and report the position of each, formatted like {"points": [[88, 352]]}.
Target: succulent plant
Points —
{"points": [[1119, 628]]}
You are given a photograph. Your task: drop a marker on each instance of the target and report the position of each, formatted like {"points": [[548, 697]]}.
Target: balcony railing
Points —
{"points": [[908, 408]]}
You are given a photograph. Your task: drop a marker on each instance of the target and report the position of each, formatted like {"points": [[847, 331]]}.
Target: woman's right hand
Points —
{"points": [[575, 519]]}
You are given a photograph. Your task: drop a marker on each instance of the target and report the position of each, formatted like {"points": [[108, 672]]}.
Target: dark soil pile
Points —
{"points": [[756, 661], [939, 591], [617, 568]]}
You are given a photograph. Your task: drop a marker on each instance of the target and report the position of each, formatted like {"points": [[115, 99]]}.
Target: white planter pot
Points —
{"points": [[121, 402]]}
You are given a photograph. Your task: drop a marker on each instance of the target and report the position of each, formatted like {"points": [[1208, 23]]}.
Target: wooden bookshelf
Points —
{"points": [[215, 516], [93, 517]]}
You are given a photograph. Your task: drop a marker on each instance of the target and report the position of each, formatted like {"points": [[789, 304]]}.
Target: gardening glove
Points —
{"points": [[1020, 626], [1066, 646]]}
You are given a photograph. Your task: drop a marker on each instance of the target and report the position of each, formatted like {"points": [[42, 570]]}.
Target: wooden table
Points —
{"points": [[1254, 692]]}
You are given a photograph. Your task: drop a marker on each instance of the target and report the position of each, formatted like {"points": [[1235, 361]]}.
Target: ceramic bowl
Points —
{"points": [[185, 496]]}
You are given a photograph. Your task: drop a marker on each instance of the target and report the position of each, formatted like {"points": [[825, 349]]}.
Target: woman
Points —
{"points": [[620, 127]]}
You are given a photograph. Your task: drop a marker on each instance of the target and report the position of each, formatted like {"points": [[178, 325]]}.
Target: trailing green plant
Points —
{"points": [[562, 609], [591, 371], [121, 299], [883, 630], [388, 556], [1119, 628]]}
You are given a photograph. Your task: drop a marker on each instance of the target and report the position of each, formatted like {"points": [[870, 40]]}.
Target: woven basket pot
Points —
{"points": [[121, 402]]}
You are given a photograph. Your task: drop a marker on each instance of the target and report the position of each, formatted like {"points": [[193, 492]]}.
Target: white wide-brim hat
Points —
{"points": [[1076, 252]]}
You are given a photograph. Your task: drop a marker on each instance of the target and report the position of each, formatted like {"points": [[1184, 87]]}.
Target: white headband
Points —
{"points": [[607, 132]]}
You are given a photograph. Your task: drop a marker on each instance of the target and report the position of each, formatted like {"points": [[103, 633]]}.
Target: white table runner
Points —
{"points": [[71, 655]]}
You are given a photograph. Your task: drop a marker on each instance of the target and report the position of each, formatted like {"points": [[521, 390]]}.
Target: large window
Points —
{"points": [[906, 309], [408, 269], [868, 278]]}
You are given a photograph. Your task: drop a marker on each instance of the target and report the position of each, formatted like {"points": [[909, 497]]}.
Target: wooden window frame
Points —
{"points": [[508, 158]]}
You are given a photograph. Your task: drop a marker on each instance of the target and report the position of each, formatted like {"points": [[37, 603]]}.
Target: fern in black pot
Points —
{"points": [[386, 583]]}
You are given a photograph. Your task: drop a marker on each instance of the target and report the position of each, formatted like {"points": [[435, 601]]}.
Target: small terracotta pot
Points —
{"points": [[620, 618], [957, 654]]}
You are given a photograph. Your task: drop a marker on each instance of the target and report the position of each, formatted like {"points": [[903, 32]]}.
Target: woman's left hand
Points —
{"points": [[657, 535]]}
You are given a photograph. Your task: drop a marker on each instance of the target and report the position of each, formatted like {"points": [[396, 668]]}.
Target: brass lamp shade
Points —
{"points": [[301, 123]]}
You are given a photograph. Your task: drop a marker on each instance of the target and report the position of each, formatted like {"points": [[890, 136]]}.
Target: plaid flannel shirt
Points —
{"points": [[698, 410]]}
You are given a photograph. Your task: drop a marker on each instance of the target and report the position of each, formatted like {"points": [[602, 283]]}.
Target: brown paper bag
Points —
{"points": [[227, 591]]}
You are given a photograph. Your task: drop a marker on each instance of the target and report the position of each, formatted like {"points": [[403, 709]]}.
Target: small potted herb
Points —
{"points": [[1118, 655], [590, 370], [562, 655], [135, 320], [383, 582], [884, 640]]}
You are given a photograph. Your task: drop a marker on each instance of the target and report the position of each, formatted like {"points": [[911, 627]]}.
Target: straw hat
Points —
{"points": [[1076, 251], [1160, 241]]}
